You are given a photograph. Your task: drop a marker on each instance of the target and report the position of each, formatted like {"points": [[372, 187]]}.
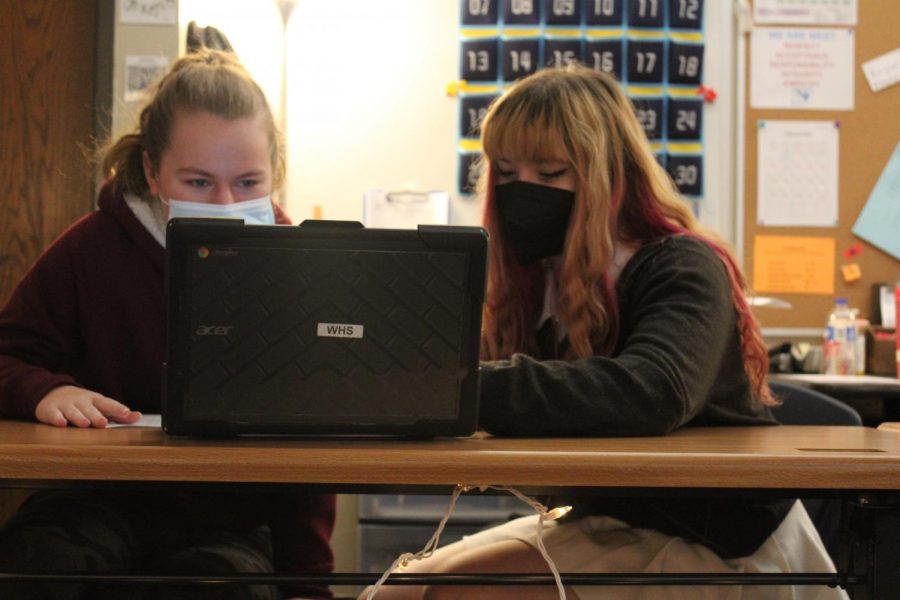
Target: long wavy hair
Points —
{"points": [[622, 195], [206, 80]]}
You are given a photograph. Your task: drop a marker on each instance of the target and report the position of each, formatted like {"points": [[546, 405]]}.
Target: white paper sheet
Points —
{"points": [[140, 73], [805, 12], [405, 209], [879, 221], [810, 68], [883, 71], [797, 169], [150, 420], [148, 12]]}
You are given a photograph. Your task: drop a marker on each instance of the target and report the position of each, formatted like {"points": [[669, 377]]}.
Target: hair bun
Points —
{"points": [[210, 38]]}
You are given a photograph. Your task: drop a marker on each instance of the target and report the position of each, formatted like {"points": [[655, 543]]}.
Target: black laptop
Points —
{"points": [[326, 328]]}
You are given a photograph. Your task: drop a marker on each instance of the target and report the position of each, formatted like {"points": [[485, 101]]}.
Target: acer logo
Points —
{"points": [[214, 329], [339, 330]]}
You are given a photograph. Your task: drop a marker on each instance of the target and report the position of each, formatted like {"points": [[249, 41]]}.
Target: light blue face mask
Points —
{"points": [[253, 212]]}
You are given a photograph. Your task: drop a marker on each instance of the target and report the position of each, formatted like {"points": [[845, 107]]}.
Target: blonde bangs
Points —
{"points": [[518, 131]]}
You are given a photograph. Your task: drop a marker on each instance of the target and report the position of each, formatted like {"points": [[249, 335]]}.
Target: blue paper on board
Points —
{"points": [[879, 221]]}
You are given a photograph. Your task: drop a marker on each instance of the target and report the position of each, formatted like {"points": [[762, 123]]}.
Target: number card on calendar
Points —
{"points": [[645, 61], [479, 12], [478, 60], [468, 172], [654, 48], [473, 110], [604, 56], [685, 121], [520, 57], [562, 12], [604, 13], [649, 113], [521, 12], [560, 52], [686, 14], [645, 13], [685, 63], [687, 173]]}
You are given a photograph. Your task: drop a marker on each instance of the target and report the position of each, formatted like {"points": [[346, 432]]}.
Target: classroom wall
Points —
{"points": [[377, 115], [367, 102]]}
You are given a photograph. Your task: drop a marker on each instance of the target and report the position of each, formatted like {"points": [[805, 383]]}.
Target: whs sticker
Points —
{"points": [[339, 330]]}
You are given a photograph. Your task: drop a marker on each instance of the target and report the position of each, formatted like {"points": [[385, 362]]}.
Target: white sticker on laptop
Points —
{"points": [[339, 330]]}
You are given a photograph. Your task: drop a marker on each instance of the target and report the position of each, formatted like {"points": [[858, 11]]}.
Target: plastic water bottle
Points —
{"points": [[840, 341], [859, 351]]}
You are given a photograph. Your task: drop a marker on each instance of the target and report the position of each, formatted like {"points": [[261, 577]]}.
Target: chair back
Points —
{"points": [[804, 406]]}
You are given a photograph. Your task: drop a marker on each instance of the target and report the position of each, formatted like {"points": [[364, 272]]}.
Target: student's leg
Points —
{"points": [[505, 556], [65, 530], [214, 553]]}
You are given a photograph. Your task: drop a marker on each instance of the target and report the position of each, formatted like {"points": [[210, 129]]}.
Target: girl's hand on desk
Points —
{"points": [[82, 408]]}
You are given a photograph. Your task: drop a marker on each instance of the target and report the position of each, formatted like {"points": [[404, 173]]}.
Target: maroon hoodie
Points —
{"points": [[91, 312]]}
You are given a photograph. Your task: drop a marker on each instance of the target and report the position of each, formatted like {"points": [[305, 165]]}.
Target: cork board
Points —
{"points": [[868, 135]]}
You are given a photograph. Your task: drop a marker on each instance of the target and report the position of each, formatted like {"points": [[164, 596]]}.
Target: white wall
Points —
{"points": [[255, 31], [371, 110], [366, 98], [717, 208]]}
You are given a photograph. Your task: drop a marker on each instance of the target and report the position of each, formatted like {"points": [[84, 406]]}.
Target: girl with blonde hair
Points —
{"points": [[82, 343], [610, 313]]}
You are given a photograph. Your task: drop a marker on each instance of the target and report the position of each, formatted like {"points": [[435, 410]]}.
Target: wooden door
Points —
{"points": [[47, 75]]}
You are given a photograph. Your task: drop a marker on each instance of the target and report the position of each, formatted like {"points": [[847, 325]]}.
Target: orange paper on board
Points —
{"points": [[796, 265]]}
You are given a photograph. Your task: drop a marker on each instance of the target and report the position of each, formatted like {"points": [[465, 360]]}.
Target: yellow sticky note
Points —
{"points": [[796, 265], [851, 272]]}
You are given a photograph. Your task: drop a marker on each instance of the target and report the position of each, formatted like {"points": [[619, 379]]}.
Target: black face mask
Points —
{"points": [[533, 218]]}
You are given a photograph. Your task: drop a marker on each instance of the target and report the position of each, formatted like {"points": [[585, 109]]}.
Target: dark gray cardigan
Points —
{"points": [[677, 363]]}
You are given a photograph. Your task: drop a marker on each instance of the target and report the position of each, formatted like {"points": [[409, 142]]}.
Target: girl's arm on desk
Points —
{"points": [[678, 360]]}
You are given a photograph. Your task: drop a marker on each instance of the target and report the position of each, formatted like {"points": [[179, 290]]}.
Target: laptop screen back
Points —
{"points": [[322, 329]]}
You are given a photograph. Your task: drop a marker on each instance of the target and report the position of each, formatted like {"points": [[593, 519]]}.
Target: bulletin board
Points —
{"points": [[654, 48], [868, 135]]}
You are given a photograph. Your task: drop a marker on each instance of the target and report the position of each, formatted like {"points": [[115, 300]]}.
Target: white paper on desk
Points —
{"points": [[150, 420], [405, 209], [805, 12], [797, 170], [810, 68]]}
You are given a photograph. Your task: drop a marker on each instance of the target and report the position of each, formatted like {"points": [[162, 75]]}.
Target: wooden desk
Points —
{"points": [[860, 464], [714, 457]]}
